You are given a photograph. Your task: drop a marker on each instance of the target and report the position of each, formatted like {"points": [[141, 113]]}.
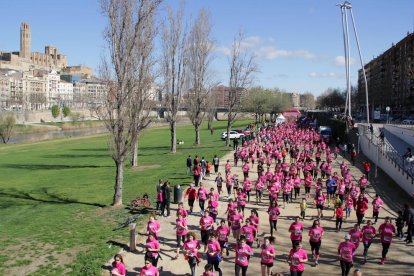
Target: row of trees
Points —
{"points": [[334, 98], [182, 67]]}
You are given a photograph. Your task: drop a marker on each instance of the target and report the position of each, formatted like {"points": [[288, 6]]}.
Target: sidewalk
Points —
{"points": [[399, 260]]}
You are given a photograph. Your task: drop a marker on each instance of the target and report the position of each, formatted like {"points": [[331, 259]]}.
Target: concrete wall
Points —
{"points": [[386, 164], [405, 134]]}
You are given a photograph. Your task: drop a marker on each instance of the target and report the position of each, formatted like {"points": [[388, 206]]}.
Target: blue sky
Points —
{"points": [[298, 43]]}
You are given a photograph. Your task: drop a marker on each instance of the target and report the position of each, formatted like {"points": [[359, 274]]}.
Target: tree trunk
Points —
{"points": [[119, 180], [197, 131], [173, 125], [134, 153], [210, 122], [228, 132]]}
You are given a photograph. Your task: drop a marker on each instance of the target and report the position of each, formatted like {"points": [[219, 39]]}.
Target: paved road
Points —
{"points": [[399, 262]]}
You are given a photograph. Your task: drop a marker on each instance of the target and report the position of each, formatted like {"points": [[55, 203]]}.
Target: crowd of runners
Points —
{"points": [[291, 165]]}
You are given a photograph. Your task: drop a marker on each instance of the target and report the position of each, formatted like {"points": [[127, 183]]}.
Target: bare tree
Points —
{"points": [[211, 109], [7, 123], [242, 68], [199, 56], [125, 21], [142, 97], [174, 67], [307, 100]]}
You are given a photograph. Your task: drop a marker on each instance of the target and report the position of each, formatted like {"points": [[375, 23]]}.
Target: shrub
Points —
{"points": [[66, 111], [55, 111]]}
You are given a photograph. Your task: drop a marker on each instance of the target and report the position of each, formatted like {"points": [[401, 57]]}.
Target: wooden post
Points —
{"points": [[132, 237]]}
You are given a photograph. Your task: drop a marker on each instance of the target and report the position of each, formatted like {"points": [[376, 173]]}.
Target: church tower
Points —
{"points": [[25, 41]]}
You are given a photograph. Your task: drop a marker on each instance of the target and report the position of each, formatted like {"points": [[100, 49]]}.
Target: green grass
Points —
{"points": [[54, 196]]}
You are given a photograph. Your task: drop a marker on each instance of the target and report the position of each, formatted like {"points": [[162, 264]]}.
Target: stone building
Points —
{"points": [[25, 59], [390, 78]]}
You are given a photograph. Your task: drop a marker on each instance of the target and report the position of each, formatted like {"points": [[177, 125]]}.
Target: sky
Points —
{"points": [[298, 44]]}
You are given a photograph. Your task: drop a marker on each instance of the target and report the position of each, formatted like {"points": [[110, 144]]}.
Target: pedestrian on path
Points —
{"points": [[190, 250], [243, 252], [386, 231], [368, 235], [315, 240], [118, 266], [346, 255], [296, 229], [213, 253], [297, 259], [267, 255]]}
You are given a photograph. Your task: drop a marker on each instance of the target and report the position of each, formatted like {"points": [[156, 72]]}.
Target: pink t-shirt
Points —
{"points": [[183, 212], [120, 267], [206, 223], [265, 256], [236, 221], [192, 248], [315, 234], [356, 236], [368, 233], [180, 224], [320, 200], [151, 271], [223, 233], [153, 227], [154, 244], [248, 232], [376, 204], [241, 255], [213, 248], [346, 250], [386, 232], [202, 193], [295, 230], [296, 257], [273, 213]]}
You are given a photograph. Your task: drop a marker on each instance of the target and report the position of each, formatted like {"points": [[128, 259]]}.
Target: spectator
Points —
{"points": [[189, 164]]}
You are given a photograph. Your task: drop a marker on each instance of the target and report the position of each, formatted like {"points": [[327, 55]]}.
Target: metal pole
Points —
{"points": [[348, 63], [345, 50], [362, 64]]}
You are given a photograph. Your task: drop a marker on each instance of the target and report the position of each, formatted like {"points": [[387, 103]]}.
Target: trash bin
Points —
{"points": [[178, 194]]}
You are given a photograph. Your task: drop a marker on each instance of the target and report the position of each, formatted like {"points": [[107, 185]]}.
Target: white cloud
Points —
{"points": [[340, 61], [265, 49], [323, 75]]}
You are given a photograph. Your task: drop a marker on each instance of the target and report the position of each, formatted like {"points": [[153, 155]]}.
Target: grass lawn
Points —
{"points": [[54, 197]]}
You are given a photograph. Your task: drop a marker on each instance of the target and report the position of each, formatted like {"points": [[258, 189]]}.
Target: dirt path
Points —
{"points": [[399, 261]]}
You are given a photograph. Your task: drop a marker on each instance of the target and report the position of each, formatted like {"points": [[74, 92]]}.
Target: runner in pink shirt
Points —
{"points": [[296, 185], [153, 226], [287, 188], [243, 252], [245, 169], [149, 270], [368, 234], [346, 254], [190, 249], [181, 231], [267, 254], [118, 266], [206, 226], [376, 205], [363, 183], [259, 191], [181, 210], [213, 253], [308, 184], [386, 231], [255, 222], [223, 232], [231, 207], [296, 229], [315, 240], [356, 235], [236, 220], [202, 197], [247, 188], [274, 213], [247, 231], [320, 200], [153, 248], [297, 259]]}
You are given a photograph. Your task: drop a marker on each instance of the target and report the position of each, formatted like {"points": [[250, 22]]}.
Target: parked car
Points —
{"points": [[408, 121], [245, 132], [233, 135], [326, 134]]}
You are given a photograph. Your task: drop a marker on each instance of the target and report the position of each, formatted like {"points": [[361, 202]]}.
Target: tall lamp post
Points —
{"points": [[388, 113]]}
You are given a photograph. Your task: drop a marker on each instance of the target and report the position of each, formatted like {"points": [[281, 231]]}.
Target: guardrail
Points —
{"points": [[388, 151]]}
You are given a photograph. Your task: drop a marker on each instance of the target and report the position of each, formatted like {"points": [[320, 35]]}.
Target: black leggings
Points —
{"points": [[201, 203], [366, 247], [216, 266], [385, 247], [345, 267], [273, 225], [229, 190], [179, 239], [297, 192], [296, 273], [243, 269], [375, 215], [192, 261], [338, 223], [315, 246], [360, 218]]}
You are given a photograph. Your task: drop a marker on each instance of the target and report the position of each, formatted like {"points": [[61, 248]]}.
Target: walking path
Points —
{"points": [[399, 260]]}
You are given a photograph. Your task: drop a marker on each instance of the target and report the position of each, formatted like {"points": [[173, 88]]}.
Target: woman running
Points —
{"points": [[297, 259], [243, 251], [202, 197], [181, 231], [320, 200], [368, 235], [267, 255], [213, 253], [190, 249], [296, 229], [236, 220], [153, 227], [118, 266], [346, 255], [386, 231], [273, 216], [223, 233], [206, 225], [248, 232], [315, 234], [356, 235], [153, 248], [149, 270], [219, 183], [255, 222]]}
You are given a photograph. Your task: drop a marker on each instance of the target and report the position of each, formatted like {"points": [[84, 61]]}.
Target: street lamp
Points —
{"points": [[388, 113]]}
